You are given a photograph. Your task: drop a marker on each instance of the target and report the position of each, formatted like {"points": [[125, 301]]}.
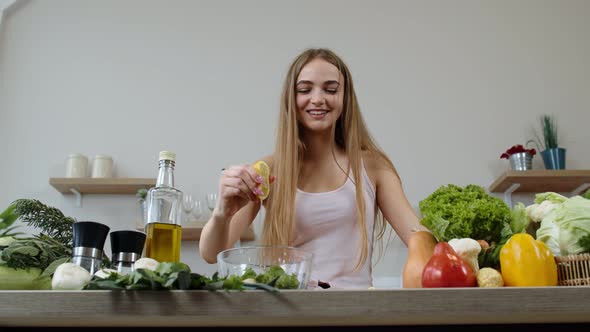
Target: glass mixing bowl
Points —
{"points": [[295, 262]]}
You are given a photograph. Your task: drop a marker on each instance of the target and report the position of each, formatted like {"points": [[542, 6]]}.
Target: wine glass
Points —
{"points": [[211, 201], [198, 212], [187, 205]]}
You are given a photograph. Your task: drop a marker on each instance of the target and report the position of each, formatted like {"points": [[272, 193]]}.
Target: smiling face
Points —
{"points": [[319, 95]]}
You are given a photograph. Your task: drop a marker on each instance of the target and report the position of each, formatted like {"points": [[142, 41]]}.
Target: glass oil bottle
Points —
{"points": [[164, 214]]}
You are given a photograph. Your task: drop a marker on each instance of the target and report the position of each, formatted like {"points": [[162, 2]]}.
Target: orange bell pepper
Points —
{"points": [[525, 262]]}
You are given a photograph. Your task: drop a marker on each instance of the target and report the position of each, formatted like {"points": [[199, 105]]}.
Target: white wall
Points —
{"points": [[445, 87]]}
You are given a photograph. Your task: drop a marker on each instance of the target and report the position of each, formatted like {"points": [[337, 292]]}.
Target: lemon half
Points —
{"points": [[262, 168]]}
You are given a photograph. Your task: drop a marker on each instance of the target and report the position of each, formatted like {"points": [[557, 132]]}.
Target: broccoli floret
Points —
{"points": [[233, 282], [274, 276], [287, 282], [274, 272], [262, 278], [248, 274]]}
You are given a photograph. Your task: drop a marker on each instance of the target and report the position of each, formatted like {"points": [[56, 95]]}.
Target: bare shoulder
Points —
{"points": [[377, 165], [374, 160]]}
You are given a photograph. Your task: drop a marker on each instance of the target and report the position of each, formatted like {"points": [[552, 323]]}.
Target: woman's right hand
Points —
{"points": [[238, 185]]}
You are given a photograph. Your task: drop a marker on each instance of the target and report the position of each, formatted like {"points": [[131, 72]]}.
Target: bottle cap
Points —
{"points": [[167, 155], [127, 241], [90, 234]]}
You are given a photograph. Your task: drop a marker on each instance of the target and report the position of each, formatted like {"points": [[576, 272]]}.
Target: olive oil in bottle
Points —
{"points": [[164, 214], [164, 245]]}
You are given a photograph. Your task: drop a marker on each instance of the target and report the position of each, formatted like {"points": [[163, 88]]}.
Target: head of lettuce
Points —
{"points": [[565, 225], [464, 212]]}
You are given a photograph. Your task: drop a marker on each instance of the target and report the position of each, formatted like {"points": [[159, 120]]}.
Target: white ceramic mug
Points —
{"points": [[76, 166], [102, 166]]}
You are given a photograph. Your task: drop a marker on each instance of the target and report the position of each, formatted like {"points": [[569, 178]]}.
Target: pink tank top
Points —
{"points": [[326, 225]]}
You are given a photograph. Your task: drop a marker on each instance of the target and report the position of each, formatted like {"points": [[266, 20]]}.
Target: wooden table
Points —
{"points": [[392, 307]]}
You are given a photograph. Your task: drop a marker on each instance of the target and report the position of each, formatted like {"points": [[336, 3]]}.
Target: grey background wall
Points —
{"points": [[445, 87]]}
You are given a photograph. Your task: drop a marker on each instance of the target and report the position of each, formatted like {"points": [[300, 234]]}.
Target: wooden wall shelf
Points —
{"points": [[121, 186], [537, 181]]}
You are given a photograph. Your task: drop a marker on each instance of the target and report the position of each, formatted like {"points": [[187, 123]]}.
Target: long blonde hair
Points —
{"points": [[350, 134]]}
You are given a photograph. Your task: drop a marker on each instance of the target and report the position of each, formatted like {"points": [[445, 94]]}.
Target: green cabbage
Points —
{"points": [[455, 212], [551, 197], [566, 228]]}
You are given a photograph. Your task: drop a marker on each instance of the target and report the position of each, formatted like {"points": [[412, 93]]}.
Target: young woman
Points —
{"points": [[333, 188]]}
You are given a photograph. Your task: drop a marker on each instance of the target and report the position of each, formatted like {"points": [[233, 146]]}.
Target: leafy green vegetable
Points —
{"points": [[586, 195], [38, 252], [249, 274], [584, 243], [7, 218], [490, 257], [273, 273], [549, 196], [168, 276], [518, 219], [51, 221], [141, 193], [277, 277], [455, 212], [233, 282], [566, 228], [54, 243], [287, 281], [519, 222], [43, 252]]}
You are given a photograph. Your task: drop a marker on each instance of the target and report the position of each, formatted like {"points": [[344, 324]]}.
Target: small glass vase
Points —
{"points": [[521, 161]]}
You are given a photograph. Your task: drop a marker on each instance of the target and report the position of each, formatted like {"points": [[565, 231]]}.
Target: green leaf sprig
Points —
{"points": [[549, 131], [53, 244], [39, 252], [49, 220]]}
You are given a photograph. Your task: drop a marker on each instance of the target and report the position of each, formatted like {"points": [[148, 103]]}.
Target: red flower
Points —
{"points": [[517, 149]]}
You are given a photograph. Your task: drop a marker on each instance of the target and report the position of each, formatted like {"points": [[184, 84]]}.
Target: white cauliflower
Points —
{"points": [[536, 212], [468, 249], [488, 277]]}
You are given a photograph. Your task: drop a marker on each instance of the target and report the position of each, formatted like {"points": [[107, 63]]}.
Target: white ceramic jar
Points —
{"points": [[102, 166], [76, 166]]}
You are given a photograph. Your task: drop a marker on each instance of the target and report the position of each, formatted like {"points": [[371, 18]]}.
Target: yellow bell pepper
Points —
{"points": [[525, 261]]}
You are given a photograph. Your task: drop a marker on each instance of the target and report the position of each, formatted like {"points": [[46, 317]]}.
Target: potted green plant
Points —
{"points": [[553, 155]]}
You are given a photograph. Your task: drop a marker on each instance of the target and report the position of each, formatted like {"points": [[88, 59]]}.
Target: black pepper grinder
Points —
{"points": [[89, 238], [126, 247]]}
